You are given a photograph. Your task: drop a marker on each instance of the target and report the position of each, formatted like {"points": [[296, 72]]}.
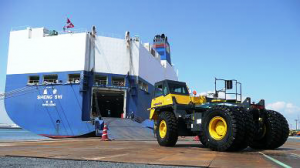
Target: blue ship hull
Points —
{"points": [[64, 109]]}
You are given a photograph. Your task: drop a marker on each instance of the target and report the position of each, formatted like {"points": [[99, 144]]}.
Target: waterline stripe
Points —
{"points": [[276, 161]]}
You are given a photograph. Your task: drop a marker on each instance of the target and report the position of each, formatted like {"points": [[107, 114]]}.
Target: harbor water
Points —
{"points": [[18, 135]]}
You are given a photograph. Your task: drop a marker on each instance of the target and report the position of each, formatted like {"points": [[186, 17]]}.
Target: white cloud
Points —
{"points": [[288, 108], [277, 106]]}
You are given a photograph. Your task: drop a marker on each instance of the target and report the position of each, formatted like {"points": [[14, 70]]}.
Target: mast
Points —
{"points": [[129, 48]]}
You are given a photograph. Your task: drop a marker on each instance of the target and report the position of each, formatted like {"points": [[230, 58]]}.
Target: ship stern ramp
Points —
{"points": [[127, 129]]}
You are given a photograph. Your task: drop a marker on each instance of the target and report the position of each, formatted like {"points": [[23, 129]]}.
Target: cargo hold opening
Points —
{"points": [[110, 103]]}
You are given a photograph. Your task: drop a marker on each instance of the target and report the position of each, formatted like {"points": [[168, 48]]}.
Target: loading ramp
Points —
{"points": [[127, 129]]}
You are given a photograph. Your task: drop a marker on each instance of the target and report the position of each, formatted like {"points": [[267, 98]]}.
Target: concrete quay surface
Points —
{"points": [[185, 153]]}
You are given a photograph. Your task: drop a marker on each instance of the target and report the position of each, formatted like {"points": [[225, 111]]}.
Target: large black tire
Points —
{"points": [[202, 140], [284, 131], [276, 131], [236, 128], [171, 135], [249, 129]]}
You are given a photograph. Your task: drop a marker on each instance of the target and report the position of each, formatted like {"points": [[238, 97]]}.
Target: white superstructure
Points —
{"points": [[35, 51]]}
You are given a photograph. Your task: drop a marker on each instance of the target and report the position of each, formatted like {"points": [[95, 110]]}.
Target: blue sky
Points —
{"points": [[254, 41]]}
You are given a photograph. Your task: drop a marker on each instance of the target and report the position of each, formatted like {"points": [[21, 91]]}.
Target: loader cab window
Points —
{"points": [[158, 90], [178, 88], [165, 89]]}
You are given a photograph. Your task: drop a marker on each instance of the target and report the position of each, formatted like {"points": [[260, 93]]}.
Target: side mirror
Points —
{"points": [[228, 84]]}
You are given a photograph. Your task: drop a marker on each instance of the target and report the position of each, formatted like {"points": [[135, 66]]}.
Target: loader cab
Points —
{"points": [[163, 88], [168, 92]]}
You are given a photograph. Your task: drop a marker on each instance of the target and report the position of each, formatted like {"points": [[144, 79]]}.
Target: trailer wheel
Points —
{"points": [[249, 129], [275, 131], [284, 131], [167, 130], [223, 128]]}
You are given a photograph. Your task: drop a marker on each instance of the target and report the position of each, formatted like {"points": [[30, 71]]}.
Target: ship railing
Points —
{"points": [[106, 34], [72, 31], [19, 28], [50, 81], [118, 83], [101, 82], [33, 82], [74, 81], [67, 31]]}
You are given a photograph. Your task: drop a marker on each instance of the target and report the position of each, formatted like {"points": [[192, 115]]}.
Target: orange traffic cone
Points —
{"points": [[196, 138], [104, 134]]}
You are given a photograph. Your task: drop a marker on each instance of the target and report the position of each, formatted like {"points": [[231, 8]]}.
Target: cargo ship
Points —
{"points": [[58, 84]]}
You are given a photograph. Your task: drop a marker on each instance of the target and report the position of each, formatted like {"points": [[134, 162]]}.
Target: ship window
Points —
{"points": [[33, 79], [50, 79], [100, 80], [118, 81], [143, 86], [74, 78], [153, 52]]}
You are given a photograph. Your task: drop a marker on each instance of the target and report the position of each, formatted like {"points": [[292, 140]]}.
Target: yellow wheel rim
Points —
{"points": [[217, 128], [162, 128]]}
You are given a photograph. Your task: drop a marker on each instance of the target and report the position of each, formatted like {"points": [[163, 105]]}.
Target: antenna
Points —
{"points": [[94, 32]]}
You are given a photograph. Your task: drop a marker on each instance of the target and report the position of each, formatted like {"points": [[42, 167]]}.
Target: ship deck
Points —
{"points": [[185, 153]]}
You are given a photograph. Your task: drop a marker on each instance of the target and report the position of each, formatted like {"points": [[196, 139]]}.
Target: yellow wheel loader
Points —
{"points": [[222, 123]]}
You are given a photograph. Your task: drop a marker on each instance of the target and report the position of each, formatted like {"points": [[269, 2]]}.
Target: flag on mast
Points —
{"points": [[68, 25]]}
